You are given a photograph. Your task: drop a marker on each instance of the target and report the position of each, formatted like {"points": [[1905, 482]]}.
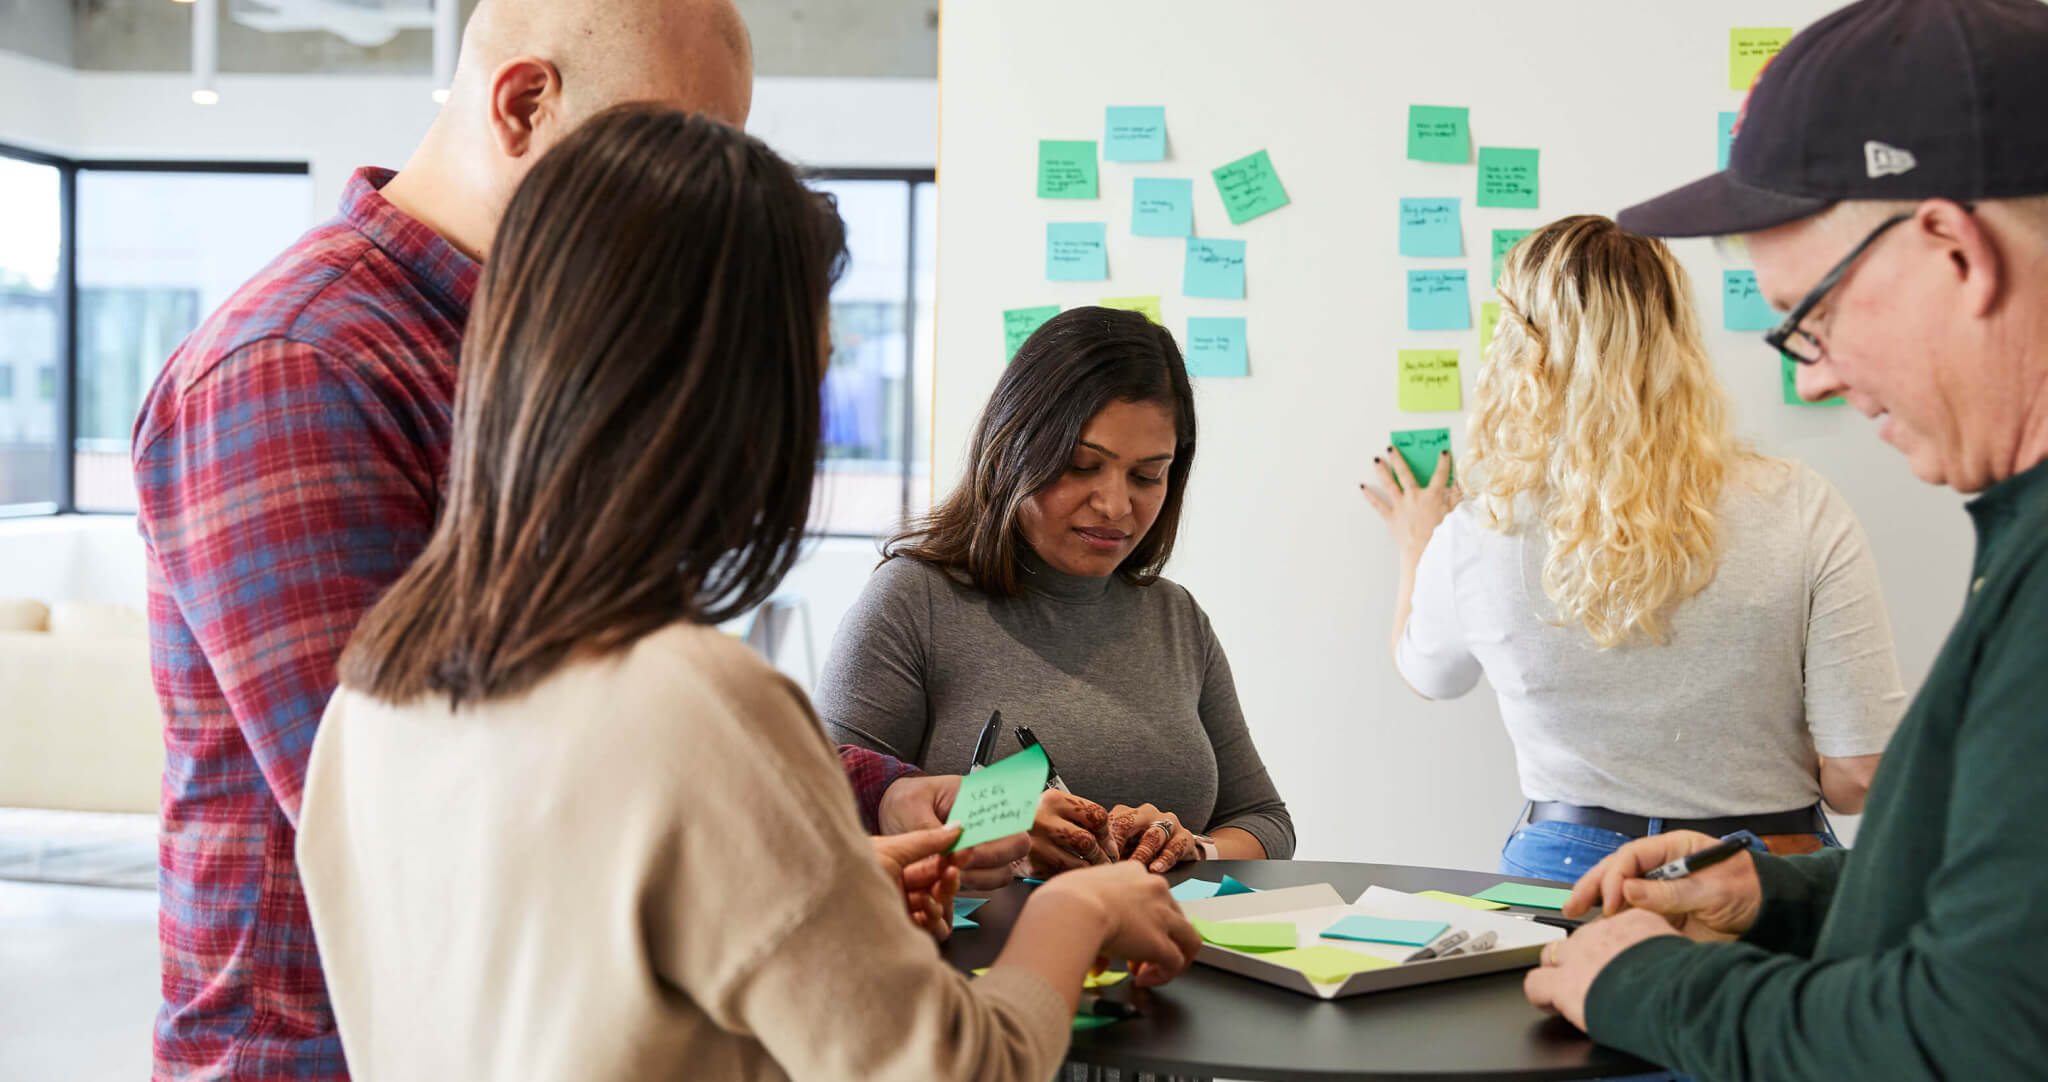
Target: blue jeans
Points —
{"points": [[1566, 851]]}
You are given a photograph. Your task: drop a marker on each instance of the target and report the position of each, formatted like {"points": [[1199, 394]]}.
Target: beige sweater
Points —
{"points": [[646, 867]]}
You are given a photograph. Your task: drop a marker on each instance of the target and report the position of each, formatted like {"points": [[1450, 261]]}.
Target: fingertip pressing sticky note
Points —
{"points": [[1489, 318], [1504, 241], [1134, 133], [1459, 899], [1246, 935], [1789, 374], [1420, 448], [1749, 49], [1411, 933], [1743, 307], [1000, 800], [1428, 380], [1193, 890], [1508, 177], [1019, 324], [1438, 133], [1727, 139], [1438, 300], [1066, 169], [1215, 268], [1162, 207], [1077, 251], [1525, 894], [1325, 964], [1145, 306], [1104, 979], [1216, 349], [1430, 227], [1231, 886], [1249, 187]]}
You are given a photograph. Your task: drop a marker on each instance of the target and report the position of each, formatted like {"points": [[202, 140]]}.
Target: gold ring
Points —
{"points": [[1550, 953]]}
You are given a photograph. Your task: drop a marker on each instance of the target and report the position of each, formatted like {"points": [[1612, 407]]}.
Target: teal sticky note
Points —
{"points": [[1019, 324], [1508, 177], [1523, 894], [1231, 886], [1077, 251], [1438, 300], [1743, 307], [1727, 139], [1413, 933], [1249, 187], [1430, 227], [960, 921], [1439, 133], [1001, 800], [1420, 448], [1216, 349], [1134, 133], [1162, 207], [965, 906], [1193, 890], [1789, 373], [1504, 241], [1066, 169], [1215, 268]]}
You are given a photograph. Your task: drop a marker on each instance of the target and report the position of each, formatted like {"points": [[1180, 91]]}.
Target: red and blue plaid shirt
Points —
{"points": [[289, 461]]}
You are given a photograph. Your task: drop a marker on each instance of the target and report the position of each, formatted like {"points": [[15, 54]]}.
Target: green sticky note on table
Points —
{"points": [[1162, 207], [1244, 935], [1421, 447], [1325, 964], [1066, 169], [1789, 373], [1001, 800], [1076, 251], [1489, 318], [1407, 933], [1439, 300], [1526, 895], [1145, 306], [1019, 324], [1743, 307], [1439, 133], [1430, 227], [1507, 177], [1214, 268], [1458, 899], [1216, 348], [1134, 133], [1249, 188], [1749, 49], [1429, 380], [1504, 241]]}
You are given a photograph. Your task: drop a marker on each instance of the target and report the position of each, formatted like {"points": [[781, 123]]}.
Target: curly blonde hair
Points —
{"points": [[1598, 416]]}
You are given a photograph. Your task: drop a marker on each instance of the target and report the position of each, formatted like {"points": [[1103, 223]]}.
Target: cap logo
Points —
{"points": [[1880, 160]]}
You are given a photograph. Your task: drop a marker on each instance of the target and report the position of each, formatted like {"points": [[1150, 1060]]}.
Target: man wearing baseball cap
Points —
{"points": [[1890, 174]]}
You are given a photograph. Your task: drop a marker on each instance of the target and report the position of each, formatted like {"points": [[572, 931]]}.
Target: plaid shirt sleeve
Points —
{"points": [[871, 773], [282, 499]]}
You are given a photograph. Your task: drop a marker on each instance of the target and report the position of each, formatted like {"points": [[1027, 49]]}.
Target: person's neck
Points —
{"points": [[442, 198]]}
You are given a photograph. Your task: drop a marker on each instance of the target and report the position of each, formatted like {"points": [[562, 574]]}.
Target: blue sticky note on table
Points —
{"points": [[1413, 933], [1134, 133], [1162, 207], [1216, 348], [964, 906], [1077, 251], [1215, 268], [1194, 890], [1743, 307], [1438, 300], [1727, 138], [1430, 227], [1231, 886], [960, 921]]}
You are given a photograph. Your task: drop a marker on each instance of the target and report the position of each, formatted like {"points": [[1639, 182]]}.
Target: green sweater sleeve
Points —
{"points": [[1797, 892]]}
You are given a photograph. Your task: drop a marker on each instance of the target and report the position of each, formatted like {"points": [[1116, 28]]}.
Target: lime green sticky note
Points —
{"points": [[1458, 899], [1507, 177], [1001, 800], [1749, 49], [1789, 373], [1421, 447], [1274, 935], [1249, 188], [1504, 241], [1525, 894], [1147, 306], [1019, 324], [1429, 380], [1489, 318], [1325, 964], [1066, 169], [1437, 133]]}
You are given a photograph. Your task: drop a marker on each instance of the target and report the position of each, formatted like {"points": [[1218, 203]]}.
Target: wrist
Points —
{"points": [[1078, 911]]}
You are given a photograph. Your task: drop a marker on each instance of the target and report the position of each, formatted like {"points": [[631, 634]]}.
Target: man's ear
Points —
{"points": [[1972, 253], [525, 92]]}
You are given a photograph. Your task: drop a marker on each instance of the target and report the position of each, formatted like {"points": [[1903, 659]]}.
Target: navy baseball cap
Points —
{"points": [[1884, 99]]}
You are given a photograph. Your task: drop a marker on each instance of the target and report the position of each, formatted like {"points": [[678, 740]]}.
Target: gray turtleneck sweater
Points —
{"points": [[1126, 687]]}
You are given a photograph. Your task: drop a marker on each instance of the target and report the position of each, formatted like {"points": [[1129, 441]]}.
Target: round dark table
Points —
{"points": [[1215, 1024]]}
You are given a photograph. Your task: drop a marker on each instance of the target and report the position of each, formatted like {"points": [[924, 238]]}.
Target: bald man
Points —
{"points": [[289, 462]]}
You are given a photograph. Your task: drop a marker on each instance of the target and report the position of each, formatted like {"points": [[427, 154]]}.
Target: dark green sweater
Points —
{"points": [[1920, 955]]}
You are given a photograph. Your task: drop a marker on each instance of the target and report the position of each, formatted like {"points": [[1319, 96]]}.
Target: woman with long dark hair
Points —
{"points": [[556, 824]]}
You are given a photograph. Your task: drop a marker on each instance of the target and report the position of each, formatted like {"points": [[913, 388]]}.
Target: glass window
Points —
{"points": [[923, 313], [31, 332]]}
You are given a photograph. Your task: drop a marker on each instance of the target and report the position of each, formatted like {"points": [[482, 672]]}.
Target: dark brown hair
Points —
{"points": [[1079, 362], [636, 424]]}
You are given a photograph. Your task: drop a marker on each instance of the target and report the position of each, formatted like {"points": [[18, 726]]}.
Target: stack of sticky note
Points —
{"points": [[1247, 935]]}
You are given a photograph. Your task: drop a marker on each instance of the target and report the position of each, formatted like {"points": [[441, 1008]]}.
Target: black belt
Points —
{"points": [[1805, 820]]}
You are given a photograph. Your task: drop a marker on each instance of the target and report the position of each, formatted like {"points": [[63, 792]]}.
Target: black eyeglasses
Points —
{"points": [[1795, 343]]}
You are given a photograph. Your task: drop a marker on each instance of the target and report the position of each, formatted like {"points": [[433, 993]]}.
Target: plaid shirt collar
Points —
{"points": [[416, 248]]}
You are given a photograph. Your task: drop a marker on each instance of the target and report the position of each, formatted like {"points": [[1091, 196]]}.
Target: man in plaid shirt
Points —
{"points": [[289, 462]]}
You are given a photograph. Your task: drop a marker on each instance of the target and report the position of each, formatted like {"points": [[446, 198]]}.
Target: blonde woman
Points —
{"points": [[1683, 634]]}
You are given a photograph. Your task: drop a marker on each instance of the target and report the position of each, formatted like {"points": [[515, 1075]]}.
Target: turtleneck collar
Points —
{"points": [[1045, 580]]}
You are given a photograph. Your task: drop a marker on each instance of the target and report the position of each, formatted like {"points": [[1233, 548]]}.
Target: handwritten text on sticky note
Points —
{"points": [[1749, 49], [1430, 227], [1215, 268], [1216, 347], [1019, 324], [1162, 207], [1001, 800], [1420, 448], [1076, 251], [1508, 177], [1429, 380], [1438, 300], [1066, 169], [1437, 133], [1134, 133], [1249, 188], [1743, 307]]}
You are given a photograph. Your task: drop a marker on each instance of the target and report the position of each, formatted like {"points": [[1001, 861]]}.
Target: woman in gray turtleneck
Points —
{"points": [[1034, 589]]}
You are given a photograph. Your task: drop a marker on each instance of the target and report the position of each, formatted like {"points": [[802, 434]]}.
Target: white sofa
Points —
{"points": [[80, 729]]}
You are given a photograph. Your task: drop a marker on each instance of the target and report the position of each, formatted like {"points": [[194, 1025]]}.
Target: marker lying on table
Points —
{"points": [[1436, 948], [1705, 858], [1480, 943], [1026, 737], [1096, 1005]]}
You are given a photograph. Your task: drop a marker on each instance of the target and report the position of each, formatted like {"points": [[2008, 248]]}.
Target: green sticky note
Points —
{"points": [[1439, 133], [1407, 933], [1524, 894], [1789, 372], [1504, 241], [1147, 306], [1489, 318], [1325, 964], [1507, 177], [1249, 188], [1422, 447], [1019, 324], [1429, 380], [1066, 169], [1749, 49], [1458, 899], [1273, 935], [1001, 800]]}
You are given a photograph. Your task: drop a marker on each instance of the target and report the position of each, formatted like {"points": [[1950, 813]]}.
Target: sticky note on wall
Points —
{"points": [[1742, 303], [1019, 324], [1145, 306], [1726, 139], [1420, 448], [1134, 133], [1439, 133], [1216, 348], [1489, 318], [1504, 241], [1249, 187], [1076, 251], [1428, 380], [1431, 227], [1749, 49], [1066, 169], [1162, 207], [1215, 268], [1438, 300], [1508, 177]]}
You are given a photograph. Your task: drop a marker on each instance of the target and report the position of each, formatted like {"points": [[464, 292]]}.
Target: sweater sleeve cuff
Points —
{"points": [[1622, 1005]]}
